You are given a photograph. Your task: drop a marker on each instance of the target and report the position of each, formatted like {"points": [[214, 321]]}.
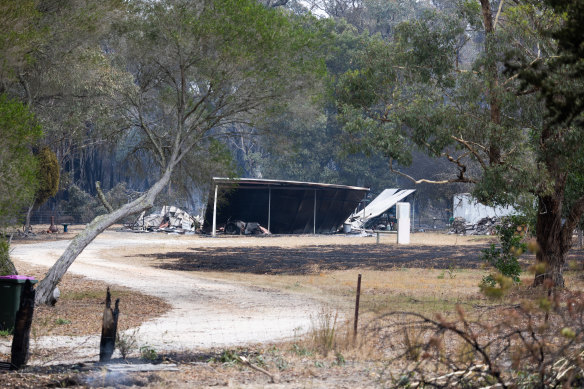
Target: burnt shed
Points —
{"points": [[283, 207]]}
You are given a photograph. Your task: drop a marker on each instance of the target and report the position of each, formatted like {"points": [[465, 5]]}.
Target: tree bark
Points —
{"points": [[552, 247], [27, 221], [21, 340], [494, 150], [45, 287], [109, 329]]}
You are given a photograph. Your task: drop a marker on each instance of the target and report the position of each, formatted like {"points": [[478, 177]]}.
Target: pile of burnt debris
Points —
{"points": [[169, 219], [485, 226], [239, 227]]}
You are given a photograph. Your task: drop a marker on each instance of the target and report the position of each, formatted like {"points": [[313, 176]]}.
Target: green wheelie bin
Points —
{"points": [[10, 289]]}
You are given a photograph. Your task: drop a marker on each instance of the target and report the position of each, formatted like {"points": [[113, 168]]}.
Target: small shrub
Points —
{"points": [[229, 357], [539, 346], [126, 342], [61, 321], [324, 331], [413, 342], [498, 288], [280, 363], [505, 259], [300, 351], [148, 353]]}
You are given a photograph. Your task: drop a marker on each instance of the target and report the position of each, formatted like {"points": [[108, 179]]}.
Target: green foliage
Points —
{"points": [[432, 88], [229, 357], [18, 36], [148, 353], [6, 265], [61, 321], [300, 350], [48, 175], [497, 286], [511, 234], [559, 78], [234, 66], [308, 145], [339, 359], [81, 205], [19, 131]]}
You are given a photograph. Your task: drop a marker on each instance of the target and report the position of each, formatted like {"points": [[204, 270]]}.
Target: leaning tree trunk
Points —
{"points": [[27, 220], [553, 244], [45, 287]]}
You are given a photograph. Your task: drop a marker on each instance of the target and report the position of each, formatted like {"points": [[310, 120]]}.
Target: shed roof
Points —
{"points": [[284, 207], [265, 183]]}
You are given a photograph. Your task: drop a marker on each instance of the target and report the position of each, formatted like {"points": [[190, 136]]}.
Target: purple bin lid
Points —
{"points": [[15, 277]]}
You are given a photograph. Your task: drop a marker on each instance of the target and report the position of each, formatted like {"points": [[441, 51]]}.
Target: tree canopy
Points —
{"points": [[194, 69], [439, 86], [19, 131]]}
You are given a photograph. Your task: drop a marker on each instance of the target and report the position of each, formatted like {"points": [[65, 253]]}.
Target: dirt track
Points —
{"points": [[214, 313], [206, 313]]}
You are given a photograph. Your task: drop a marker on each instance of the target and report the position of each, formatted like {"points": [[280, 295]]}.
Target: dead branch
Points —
{"points": [[245, 361], [459, 179]]}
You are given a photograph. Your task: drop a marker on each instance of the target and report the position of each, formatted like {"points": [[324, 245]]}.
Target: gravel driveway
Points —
{"points": [[205, 313]]}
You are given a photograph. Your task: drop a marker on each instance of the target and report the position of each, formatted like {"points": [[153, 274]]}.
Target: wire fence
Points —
{"points": [[44, 217]]}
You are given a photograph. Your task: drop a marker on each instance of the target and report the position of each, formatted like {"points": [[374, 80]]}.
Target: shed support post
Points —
{"points": [[215, 212], [269, 207], [314, 219]]}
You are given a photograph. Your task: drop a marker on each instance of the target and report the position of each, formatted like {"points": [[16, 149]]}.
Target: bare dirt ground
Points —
{"points": [[235, 292]]}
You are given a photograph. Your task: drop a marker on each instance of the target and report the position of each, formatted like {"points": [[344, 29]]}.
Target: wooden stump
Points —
{"points": [[109, 329], [21, 338]]}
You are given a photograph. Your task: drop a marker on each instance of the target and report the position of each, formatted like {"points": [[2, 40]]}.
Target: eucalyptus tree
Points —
{"points": [[440, 86], [195, 68], [48, 175], [560, 143], [52, 59], [19, 131]]}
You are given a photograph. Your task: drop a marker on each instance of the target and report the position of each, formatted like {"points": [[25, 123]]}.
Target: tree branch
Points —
{"points": [[498, 14], [150, 134], [102, 198], [460, 178], [469, 147]]}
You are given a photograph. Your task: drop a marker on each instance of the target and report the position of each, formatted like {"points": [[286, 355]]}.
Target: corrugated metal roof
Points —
{"points": [[261, 182], [386, 199]]}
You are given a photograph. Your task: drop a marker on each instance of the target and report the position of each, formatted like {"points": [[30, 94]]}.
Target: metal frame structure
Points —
{"points": [[282, 206]]}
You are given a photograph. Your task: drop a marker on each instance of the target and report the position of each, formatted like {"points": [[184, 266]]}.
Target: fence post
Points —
{"points": [[357, 307]]}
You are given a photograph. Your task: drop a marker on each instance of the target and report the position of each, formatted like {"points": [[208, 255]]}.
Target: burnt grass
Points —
{"points": [[308, 259]]}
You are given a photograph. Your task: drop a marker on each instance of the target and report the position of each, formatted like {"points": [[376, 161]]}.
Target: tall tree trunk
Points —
{"points": [[494, 150], [27, 220], [552, 247], [45, 287]]}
